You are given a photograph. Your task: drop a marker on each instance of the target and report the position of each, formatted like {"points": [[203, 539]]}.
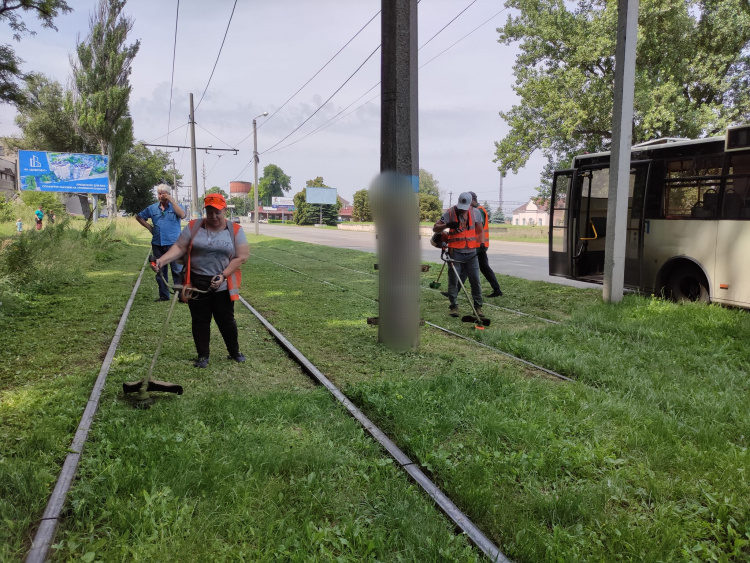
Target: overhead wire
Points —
{"points": [[174, 56], [169, 132], [217, 56], [215, 137]]}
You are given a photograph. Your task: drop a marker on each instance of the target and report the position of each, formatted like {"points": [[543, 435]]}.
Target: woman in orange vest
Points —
{"points": [[465, 235], [484, 264], [215, 250]]}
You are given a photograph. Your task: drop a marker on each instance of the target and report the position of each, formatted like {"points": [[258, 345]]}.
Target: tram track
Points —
{"points": [[433, 325], [51, 517], [485, 304]]}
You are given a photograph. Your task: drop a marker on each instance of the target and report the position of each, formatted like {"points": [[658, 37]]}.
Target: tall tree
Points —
{"points": [[101, 75], [11, 75], [430, 208], [361, 206], [44, 122], [692, 74], [273, 184], [428, 185]]}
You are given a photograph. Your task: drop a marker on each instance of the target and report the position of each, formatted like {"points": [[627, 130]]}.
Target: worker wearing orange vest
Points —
{"points": [[215, 249], [484, 265], [465, 236]]}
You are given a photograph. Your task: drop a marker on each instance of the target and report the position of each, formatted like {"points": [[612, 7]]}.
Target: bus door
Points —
{"points": [[591, 223], [560, 263]]}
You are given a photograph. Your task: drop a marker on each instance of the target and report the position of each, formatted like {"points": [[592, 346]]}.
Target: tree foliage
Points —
{"points": [[498, 216], [430, 208], [272, 184], [44, 122], [11, 75], [361, 206], [428, 185], [310, 214], [692, 74], [142, 169], [101, 75]]}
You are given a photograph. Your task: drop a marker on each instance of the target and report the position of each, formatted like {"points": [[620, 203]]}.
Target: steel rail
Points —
{"points": [[485, 304], [450, 509], [446, 330], [50, 518]]}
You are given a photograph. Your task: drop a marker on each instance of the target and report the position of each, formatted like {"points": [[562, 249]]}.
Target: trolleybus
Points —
{"points": [[688, 221]]}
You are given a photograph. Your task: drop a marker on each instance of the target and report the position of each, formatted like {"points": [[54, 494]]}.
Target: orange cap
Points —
{"points": [[215, 200]]}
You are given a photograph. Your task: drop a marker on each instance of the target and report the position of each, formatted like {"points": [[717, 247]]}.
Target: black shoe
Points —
{"points": [[161, 299], [239, 358], [445, 294], [201, 362], [496, 293], [454, 311]]}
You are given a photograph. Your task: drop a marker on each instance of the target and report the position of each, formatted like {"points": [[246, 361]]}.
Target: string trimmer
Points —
{"points": [[436, 283], [480, 322], [147, 384]]}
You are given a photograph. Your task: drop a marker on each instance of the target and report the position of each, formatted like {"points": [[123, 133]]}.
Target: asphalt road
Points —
{"points": [[525, 260]]}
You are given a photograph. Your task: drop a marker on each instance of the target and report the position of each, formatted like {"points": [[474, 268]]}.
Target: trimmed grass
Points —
{"points": [[643, 458]]}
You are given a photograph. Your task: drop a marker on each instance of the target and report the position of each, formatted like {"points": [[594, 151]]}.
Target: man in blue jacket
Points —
{"points": [[165, 227]]}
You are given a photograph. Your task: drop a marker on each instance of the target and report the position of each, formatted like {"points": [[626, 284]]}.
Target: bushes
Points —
{"points": [[41, 262]]}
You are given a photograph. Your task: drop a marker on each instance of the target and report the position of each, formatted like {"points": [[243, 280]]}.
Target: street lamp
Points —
{"points": [[255, 162]]}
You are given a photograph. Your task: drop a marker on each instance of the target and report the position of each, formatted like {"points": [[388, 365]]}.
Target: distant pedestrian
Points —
{"points": [[51, 217], [39, 215], [165, 226], [19, 225], [465, 236], [484, 264]]}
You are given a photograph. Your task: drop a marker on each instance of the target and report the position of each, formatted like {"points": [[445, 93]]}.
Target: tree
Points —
{"points": [[273, 184], [361, 206], [430, 208], [428, 185], [498, 216], [242, 205], [487, 208], [101, 75], [692, 75], [44, 121], [309, 214], [10, 65], [141, 171]]}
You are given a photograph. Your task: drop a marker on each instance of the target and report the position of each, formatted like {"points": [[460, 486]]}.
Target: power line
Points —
{"points": [[446, 25], [174, 56], [217, 56], [214, 136], [168, 132], [324, 103], [464, 37]]}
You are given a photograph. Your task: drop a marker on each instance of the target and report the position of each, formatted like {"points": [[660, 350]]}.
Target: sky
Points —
{"points": [[272, 48]]}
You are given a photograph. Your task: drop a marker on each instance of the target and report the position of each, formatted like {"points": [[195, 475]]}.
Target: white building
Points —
{"points": [[531, 214]]}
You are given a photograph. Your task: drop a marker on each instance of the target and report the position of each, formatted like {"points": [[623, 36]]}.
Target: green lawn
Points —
{"points": [[643, 458]]}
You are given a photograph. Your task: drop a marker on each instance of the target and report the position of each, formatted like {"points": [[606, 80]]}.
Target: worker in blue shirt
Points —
{"points": [[165, 227]]}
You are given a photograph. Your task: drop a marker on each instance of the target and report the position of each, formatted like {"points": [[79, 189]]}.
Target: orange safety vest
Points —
{"points": [[233, 281], [462, 238], [486, 227]]}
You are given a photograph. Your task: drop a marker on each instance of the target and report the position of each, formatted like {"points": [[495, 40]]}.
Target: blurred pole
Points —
{"points": [[255, 165], [397, 213], [193, 204], [622, 140]]}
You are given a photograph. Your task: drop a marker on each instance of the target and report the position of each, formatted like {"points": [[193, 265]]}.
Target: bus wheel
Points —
{"points": [[687, 283]]}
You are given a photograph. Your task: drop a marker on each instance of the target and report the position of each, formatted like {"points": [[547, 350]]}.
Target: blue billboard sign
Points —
{"points": [[63, 172]]}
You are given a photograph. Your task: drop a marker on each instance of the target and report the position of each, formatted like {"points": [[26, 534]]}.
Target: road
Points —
{"points": [[526, 260]]}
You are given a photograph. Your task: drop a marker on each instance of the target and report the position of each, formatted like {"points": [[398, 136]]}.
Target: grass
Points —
{"points": [[643, 458]]}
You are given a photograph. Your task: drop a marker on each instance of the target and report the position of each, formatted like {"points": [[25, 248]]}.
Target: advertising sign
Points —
{"points": [[282, 201], [324, 196], [63, 172]]}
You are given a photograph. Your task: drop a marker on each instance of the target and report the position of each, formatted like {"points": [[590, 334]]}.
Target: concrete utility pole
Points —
{"points": [[175, 191], [450, 199], [396, 210], [194, 211], [622, 140], [204, 177]]}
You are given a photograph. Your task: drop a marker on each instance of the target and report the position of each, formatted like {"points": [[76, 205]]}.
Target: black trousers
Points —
{"points": [[484, 267], [219, 306]]}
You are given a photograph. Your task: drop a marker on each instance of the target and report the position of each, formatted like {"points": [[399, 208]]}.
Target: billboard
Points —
{"points": [[324, 196], [63, 172], [282, 201]]}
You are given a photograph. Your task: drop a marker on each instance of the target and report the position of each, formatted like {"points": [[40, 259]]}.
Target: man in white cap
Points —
{"points": [[465, 236]]}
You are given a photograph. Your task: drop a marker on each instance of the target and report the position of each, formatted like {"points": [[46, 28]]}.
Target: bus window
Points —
{"points": [[736, 203], [691, 188]]}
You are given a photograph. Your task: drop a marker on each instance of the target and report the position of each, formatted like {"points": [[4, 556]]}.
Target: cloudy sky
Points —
{"points": [[272, 48]]}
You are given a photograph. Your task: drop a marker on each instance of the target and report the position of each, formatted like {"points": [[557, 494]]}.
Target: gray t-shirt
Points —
{"points": [[446, 218], [211, 252]]}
